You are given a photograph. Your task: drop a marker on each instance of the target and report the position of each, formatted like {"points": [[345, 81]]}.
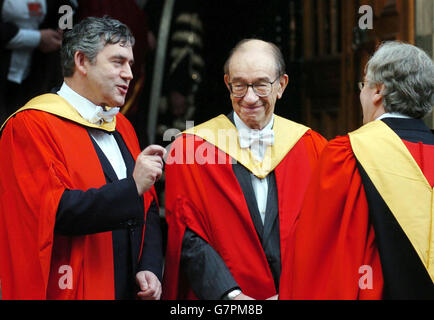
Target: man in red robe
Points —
{"points": [[234, 186], [78, 211], [365, 230]]}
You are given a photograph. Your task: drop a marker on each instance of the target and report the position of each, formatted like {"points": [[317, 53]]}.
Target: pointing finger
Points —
{"points": [[154, 149]]}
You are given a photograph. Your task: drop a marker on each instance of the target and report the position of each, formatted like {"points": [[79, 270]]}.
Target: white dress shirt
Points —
{"points": [[393, 115], [260, 186], [28, 36], [105, 141]]}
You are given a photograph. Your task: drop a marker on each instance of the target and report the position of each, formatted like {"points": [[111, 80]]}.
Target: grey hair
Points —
{"points": [[407, 74], [90, 36], [277, 54]]}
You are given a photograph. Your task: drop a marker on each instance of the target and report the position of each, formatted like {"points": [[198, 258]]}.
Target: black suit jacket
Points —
{"points": [[116, 207]]}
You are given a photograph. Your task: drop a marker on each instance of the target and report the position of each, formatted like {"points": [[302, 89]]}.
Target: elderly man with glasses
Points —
{"points": [[234, 186], [371, 224]]}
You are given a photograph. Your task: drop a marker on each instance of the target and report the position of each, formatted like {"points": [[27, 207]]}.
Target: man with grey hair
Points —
{"points": [[233, 216], [78, 211], [369, 208]]}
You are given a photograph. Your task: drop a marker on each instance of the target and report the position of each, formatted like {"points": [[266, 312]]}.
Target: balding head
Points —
{"points": [[255, 45], [255, 70]]}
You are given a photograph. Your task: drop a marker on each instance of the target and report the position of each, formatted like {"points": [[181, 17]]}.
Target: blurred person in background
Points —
{"points": [[30, 39]]}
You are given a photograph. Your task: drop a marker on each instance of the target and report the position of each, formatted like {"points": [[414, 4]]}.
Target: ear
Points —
{"points": [[81, 62], [377, 98], [226, 79], [283, 82]]}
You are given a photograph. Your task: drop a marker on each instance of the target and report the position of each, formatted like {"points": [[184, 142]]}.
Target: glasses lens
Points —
{"points": [[262, 89], [239, 89]]}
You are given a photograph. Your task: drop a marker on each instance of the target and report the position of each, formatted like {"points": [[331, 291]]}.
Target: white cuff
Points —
{"points": [[25, 39]]}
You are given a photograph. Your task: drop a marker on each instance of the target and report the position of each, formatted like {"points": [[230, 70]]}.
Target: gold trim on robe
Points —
{"points": [[401, 184], [222, 133], [55, 104]]}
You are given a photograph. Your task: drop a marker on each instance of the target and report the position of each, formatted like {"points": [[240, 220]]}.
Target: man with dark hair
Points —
{"points": [[365, 230], [243, 178], [78, 211]]}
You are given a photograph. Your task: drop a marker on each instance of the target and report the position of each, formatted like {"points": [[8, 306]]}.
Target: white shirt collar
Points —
{"points": [[393, 115], [87, 109], [257, 149]]}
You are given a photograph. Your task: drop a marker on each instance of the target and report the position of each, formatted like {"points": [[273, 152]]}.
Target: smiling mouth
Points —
{"points": [[251, 108]]}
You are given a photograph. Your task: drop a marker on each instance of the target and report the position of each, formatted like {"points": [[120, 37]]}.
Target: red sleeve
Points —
{"points": [[318, 143], [181, 195], [32, 180], [334, 251]]}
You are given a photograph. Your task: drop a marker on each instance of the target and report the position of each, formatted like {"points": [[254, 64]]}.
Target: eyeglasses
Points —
{"points": [[361, 85], [261, 88]]}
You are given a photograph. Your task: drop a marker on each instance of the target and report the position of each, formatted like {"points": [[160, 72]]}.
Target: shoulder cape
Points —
{"points": [[203, 194], [51, 152], [341, 237], [56, 105], [222, 133], [401, 183]]}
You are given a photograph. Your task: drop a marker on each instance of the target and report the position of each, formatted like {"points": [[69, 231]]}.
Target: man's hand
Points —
{"points": [[242, 296], [51, 40], [148, 168], [150, 286]]}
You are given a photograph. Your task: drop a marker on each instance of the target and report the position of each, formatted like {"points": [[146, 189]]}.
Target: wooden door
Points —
{"points": [[336, 50]]}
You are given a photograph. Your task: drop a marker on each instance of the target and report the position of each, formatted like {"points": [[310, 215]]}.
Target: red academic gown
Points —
{"points": [[207, 198], [45, 156], [335, 248]]}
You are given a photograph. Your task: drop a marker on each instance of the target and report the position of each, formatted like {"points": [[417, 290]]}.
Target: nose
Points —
{"points": [[127, 72], [250, 96]]}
